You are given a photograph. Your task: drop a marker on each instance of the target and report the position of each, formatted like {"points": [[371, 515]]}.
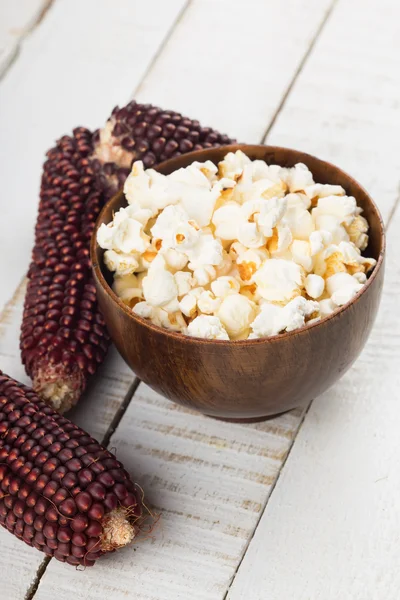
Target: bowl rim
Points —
{"points": [[198, 155]]}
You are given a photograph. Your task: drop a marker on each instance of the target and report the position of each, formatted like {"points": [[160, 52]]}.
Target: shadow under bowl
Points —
{"points": [[252, 379]]}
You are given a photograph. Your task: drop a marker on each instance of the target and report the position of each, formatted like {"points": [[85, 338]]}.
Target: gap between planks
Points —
{"points": [[121, 411], [250, 538], [104, 441], [299, 70], [31, 592], [14, 53], [272, 122], [161, 47], [394, 208]]}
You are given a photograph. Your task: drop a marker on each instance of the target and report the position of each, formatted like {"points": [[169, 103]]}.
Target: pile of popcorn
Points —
{"points": [[235, 251]]}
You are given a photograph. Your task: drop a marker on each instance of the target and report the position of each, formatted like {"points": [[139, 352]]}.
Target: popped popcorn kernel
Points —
{"points": [[357, 231], [207, 327], [236, 250]]}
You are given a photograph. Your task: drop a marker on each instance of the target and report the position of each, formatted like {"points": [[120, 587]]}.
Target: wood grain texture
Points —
{"points": [[17, 19], [82, 59], [229, 62], [209, 480], [98, 408], [332, 526], [158, 576], [344, 106], [280, 433], [246, 380], [38, 79]]}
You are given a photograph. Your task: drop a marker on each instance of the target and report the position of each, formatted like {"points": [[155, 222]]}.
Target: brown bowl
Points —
{"points": [[250, 379]]}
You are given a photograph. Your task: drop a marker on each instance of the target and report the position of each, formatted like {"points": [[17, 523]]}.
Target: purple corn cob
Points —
{"points": [[63, 335]]}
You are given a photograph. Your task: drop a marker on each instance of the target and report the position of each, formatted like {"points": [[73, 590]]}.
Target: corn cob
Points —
{"points": [[60, 490], [63, 335]]}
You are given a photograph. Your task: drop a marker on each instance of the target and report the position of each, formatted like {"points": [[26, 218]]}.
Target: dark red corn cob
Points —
{"points": [[147, 133], [63, 335], [60, 490]]}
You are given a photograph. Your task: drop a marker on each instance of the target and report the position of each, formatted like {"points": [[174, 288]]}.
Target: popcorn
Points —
{"points": [[360, 277], [298, 200], [196, 195], [207, 251], [342, 287], [342, 207], [143, 309], [326, 307], [345, 257], [188, 305], [357, 232], [174, 229], [236, 313], [267, 189], [121, 264], [203, 275], [143, 215], [224, 286], [299, 178], [227, 221], [175, 260], [249, 235], [268, 322], [353, 258], [146, 259], [331, 224], [319, 240], [238, 250], [224, 266], [314, 285], [207, 327], [275, 319], [184, 282], [300, 222], [233, 164], [148, 189], [279, 280], [296, 311], [249, 261], [173, 321], [159, 287], [208, 169], [280, 241], [105, 236], [128, 288], [208, 303], [269, 214], [128, 237], [301, 254], [321, 190]]}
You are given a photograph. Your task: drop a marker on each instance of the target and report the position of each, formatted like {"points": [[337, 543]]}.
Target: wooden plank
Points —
{"points": [[344, 107], [208, 479], [331, 528], [17, 19], [84, 58], [38, 80], [229, 62], [103, 399]]}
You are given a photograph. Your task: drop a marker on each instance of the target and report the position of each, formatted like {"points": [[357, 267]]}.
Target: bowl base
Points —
{"points": [[250, 419]]}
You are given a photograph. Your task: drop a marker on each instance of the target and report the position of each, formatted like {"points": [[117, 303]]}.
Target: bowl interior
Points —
{"points": [[323, 172]]}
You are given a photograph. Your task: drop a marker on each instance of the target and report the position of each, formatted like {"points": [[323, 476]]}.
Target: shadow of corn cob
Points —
{"points": [[60, 490], [63, 335]]}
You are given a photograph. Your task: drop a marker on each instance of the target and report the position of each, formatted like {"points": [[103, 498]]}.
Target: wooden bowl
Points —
{"points": [[247, 380]]}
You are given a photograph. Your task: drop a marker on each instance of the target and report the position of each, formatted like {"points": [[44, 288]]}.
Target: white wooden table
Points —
{"points": [[303, 507]]}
